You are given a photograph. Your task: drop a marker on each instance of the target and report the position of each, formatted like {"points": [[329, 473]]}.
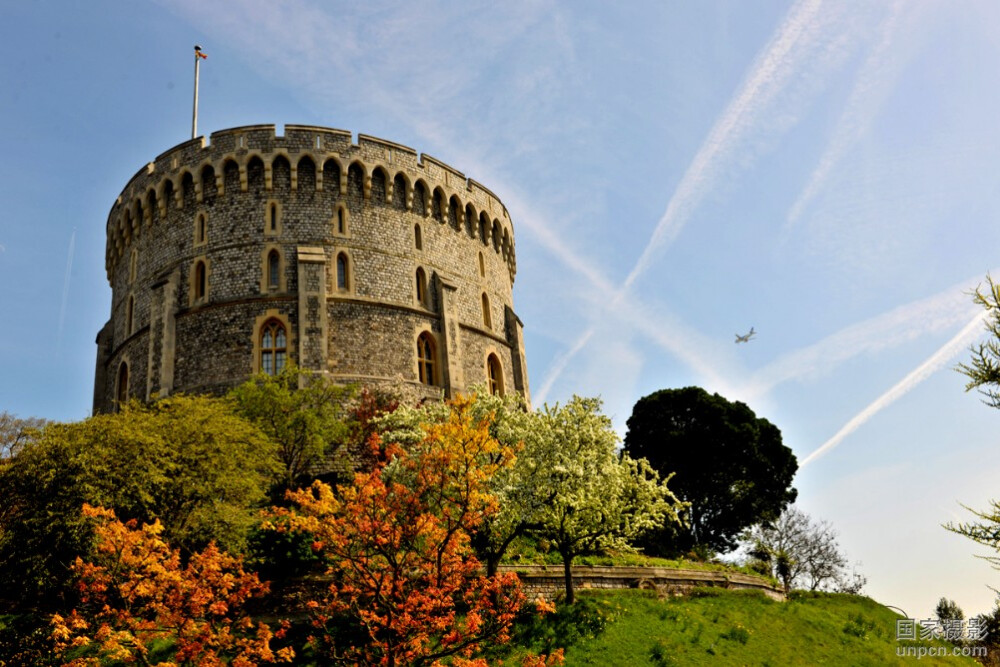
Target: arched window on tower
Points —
{"points": [[422, 297], [273, 270], [133, 265], [426, 361], [200, 286], [343, 273], [487, 320], [121, 391], [495, 374], [273, 347], [130, 316]]}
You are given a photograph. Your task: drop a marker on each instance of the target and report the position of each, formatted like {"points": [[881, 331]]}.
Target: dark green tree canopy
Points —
{"points": [[729, 464]]}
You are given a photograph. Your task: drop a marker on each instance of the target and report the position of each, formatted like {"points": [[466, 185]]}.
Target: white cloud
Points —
{"points": [[812, 40], [871, 87]]}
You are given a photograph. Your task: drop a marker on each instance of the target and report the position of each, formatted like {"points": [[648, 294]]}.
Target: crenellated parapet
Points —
{"points": [[318, 159]]}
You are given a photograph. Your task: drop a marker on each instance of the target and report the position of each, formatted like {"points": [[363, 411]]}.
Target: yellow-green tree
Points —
{"points": [[303, 414], [190, 462]]}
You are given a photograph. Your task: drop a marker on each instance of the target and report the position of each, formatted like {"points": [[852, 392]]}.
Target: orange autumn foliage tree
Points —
{"points": [[406, 586], [136, 593]]}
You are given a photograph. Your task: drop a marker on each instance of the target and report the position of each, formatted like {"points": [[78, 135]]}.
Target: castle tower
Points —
{"points": [[364, 262]]}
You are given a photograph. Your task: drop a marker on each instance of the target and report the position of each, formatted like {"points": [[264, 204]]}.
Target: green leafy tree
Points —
{"points": [[728, 464], [303, 414], [600, 499], [190, 462], [983, 370], [948, 610]]}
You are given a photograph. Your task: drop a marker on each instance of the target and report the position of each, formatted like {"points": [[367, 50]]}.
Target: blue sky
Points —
{"points": [[676, 173]]}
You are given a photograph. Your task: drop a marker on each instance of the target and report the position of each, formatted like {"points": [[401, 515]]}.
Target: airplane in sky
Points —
{"points": [[745, 338]]}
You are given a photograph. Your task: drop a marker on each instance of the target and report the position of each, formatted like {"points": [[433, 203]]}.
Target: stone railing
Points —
{"points": [[548, 580]]}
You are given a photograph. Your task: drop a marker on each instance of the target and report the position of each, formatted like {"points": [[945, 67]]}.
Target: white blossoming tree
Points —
{"points": [[601, 498]]}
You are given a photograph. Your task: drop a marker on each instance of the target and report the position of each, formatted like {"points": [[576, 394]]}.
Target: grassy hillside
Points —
{"points": [[732, 628]]}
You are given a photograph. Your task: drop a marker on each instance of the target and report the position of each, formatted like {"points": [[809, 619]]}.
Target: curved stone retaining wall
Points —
{"points": [[548, 580]]}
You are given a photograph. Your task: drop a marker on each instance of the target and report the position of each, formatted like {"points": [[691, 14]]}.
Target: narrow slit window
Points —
{"points": [[130, 316], [121, 395], [422, 288], [341, 221], [487, 320], [342, 273], [273, 270], [272, 216], [417, 239], [200, 281]]}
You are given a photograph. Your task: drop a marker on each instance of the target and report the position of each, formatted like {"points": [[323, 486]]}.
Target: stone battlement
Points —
{"points": [[201, 164]]}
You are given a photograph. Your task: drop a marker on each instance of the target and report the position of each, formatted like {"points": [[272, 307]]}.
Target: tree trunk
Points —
{"points": [[568, 573]]}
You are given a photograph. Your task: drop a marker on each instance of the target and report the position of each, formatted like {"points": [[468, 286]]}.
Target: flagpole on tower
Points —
{"points": [[198, 55]]}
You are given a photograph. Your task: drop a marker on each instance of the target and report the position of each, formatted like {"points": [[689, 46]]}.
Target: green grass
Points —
{"points": [[727, 628]]}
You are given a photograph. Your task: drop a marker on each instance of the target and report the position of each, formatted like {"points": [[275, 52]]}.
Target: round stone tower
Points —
{"points": [[364, 262]]}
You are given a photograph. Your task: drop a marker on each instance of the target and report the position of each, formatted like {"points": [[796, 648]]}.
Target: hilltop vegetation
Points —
{"points": [[153, 532], [146, 530]]}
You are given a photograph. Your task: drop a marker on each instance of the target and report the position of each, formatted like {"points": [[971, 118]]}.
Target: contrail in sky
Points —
{"points": [[932, 364], [65, 294], [769, 75]]}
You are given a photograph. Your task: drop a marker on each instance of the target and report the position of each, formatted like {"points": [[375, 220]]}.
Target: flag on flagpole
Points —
{"points": [[198, 52]]}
